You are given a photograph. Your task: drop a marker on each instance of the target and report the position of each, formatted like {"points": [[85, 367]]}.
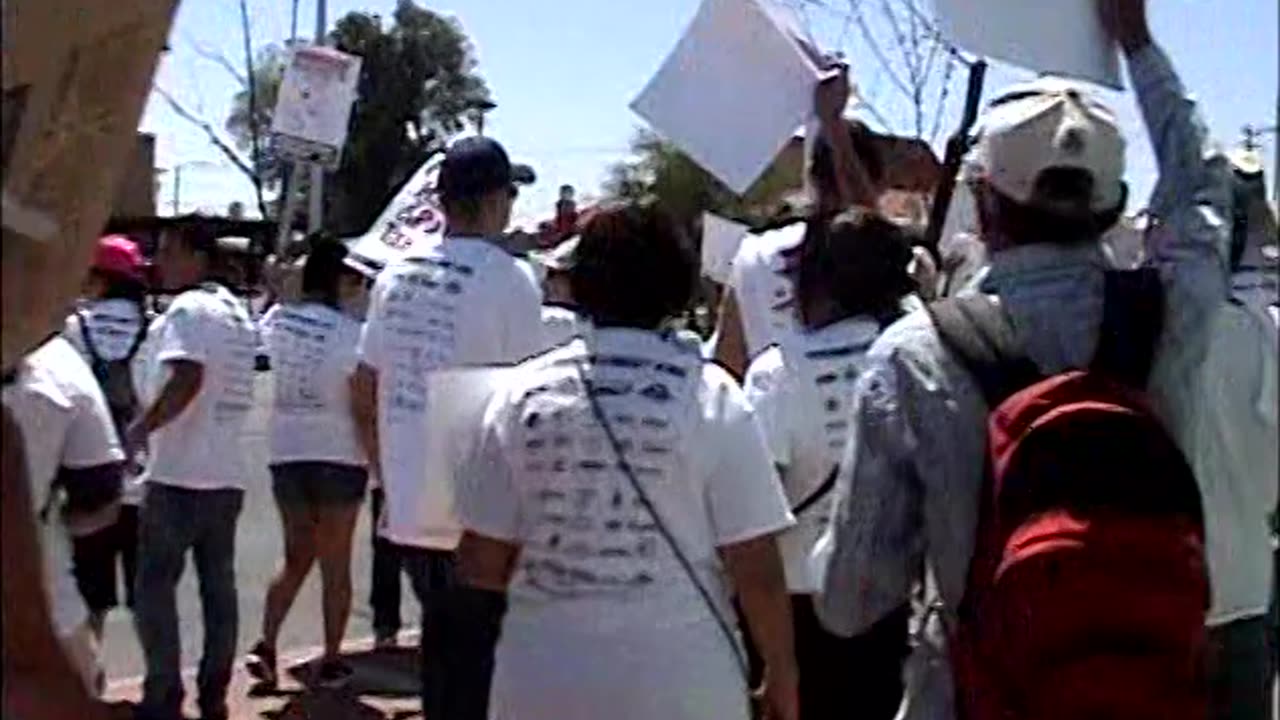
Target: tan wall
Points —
{"points": [[136, 193]]}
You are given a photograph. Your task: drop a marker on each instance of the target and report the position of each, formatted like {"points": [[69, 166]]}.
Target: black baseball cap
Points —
{"points": [[475, 166]]}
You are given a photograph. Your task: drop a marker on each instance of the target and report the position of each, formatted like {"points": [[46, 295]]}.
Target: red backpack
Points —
{"points": [[1088, 587]]}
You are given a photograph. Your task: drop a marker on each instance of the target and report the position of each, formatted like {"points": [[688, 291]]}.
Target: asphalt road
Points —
{"points": [[258, 555]]}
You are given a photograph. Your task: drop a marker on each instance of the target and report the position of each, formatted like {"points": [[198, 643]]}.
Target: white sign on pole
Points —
{"points": [[1062, 37], [733, 90], [314, 106], [720, 241], [411, 221]]}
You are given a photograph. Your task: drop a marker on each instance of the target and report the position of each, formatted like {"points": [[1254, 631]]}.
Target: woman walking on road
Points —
{"points": [[318, 471], [620, 495]]}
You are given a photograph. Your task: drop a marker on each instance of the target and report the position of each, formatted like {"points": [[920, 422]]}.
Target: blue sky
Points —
{"points": [[564, 72]]}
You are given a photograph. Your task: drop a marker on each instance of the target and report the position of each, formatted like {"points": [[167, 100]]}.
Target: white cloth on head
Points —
{"points": [[65, 423], [801, 391], [113, 327], [313, 356], [201, 448], [766, 296], [597, 586], [461, 302]]}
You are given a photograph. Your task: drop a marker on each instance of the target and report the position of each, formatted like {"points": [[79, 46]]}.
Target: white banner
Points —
{"points": [[1062, 37], [734, 89], [314, 106], [411, 221]]}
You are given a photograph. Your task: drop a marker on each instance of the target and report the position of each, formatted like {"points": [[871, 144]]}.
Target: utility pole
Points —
{"points": [[177, 186], [315, 218]]}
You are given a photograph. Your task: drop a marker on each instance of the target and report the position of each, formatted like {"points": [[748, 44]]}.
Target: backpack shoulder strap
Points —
{"points": [[143, 328], [1132, 322], [978, 331], [94, 358]]}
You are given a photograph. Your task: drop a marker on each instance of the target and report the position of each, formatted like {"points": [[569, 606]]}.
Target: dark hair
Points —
{"points": [[822, 169], [634, 267], [858, 260], [120, 287], [462, 208], [323, 269], [1025, 224]]}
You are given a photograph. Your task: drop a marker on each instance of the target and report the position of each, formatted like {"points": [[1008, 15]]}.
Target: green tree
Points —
{"points": [[418, 86], [657, 171]]}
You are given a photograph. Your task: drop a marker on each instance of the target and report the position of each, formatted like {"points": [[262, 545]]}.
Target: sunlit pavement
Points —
{"points": [[258, 554]]}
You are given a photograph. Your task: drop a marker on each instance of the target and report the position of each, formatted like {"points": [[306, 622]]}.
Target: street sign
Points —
{"points": [[314, 106]]}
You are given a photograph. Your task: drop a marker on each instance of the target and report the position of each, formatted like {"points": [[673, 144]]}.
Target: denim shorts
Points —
{"points": [[318, 484]]}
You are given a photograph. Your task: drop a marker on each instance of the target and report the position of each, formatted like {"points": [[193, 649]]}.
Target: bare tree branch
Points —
{"points": [[221, 61], [213, 137]]}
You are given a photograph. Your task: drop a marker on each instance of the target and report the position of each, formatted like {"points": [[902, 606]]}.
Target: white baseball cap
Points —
{"points": [[1049, 123]]}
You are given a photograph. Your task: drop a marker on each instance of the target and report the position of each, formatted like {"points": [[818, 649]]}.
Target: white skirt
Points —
{"points": [[559, 673]]}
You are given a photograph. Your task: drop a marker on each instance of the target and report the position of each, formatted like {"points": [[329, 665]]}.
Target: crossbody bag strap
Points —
{"points": [[625, 466]]}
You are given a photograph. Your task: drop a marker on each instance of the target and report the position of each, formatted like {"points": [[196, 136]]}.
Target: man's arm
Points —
{"points": [[755, 568], [853, 184], [186, 378], [731, 342], [1192, 196], [39, 681], [364, 411]]}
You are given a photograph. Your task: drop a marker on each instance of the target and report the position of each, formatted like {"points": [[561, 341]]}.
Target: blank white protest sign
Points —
{"points": [[733, 90], [720, 241], [1062, 37]]}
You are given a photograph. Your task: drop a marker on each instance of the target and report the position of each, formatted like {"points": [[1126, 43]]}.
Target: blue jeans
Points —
{"points": [[430, 573], [174, 520]]}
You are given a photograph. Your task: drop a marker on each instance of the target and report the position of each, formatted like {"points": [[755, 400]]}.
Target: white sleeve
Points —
{"points": [[371, 345], [743, 493], [766, 390], [523, 317], [487, 501], [91, 437], [182, 336]]}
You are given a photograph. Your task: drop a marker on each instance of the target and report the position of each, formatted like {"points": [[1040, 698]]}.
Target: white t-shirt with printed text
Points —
{"points": [[766, 296], [463, 302], [597, 585], [201, 449], [65, 423], [313, 351], [801, 390]]}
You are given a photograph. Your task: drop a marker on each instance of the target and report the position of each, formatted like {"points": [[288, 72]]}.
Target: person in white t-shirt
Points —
{"points": [[561, 321], [196, 473], [463, 301], [75, 464], [845, 170], [318, 469], [619, 496], [108, 329], [801, 389]]}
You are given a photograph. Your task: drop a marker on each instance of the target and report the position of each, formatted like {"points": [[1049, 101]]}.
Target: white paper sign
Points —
{"points": [[314, 106], [413, 220], [720, 241], [733, 90], [455, 416], [1063, 37]]}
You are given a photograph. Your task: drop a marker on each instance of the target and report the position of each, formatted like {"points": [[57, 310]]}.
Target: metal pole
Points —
{"points": [[177, 185], [288, 205], [315, 216]]}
